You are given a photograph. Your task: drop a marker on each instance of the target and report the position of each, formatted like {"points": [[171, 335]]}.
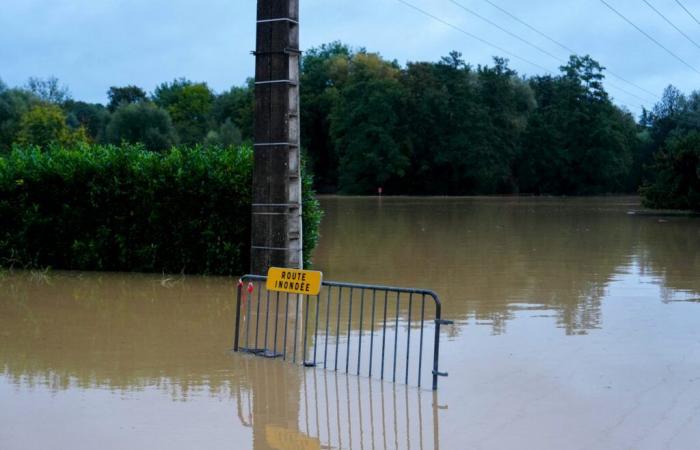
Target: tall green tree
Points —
{"points": [[143, 123], [14, 103], [189, 105], [578, 141], [677, 168], [44, 125], [324, 72], [125, 95], [368, 127], [92, 117], [236, 105]]}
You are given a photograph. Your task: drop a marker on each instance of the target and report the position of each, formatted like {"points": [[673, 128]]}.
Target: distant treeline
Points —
{"points": [[429, 128]]}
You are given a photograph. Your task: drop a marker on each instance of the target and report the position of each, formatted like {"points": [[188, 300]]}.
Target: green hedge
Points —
{"points": [[123, 208]]}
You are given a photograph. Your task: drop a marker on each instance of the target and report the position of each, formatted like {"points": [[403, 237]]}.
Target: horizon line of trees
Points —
{"points": [[181, 112], [426, 128]]}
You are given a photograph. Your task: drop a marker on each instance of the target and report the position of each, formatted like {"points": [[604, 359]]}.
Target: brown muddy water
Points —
{"points": [[577, 327]]}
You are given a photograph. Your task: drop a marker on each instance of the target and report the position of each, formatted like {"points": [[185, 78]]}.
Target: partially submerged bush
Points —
{"points": [[677, 169], [124, 208]]}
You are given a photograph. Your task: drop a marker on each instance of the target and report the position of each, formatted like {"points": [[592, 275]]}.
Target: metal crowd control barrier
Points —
{"points": [[332, 327]]}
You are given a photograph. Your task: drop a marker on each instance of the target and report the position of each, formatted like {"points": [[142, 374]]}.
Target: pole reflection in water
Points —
{"points": [[313, 409]]}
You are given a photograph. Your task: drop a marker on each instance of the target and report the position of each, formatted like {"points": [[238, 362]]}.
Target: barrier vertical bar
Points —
{"points": [[420, 351], [286, 320], [436, 352], [359, 347], [305, 325], [347, 352], [408, 339], [238, 317], [396, 334], [257, 320], [386, 300], [296, 327], [318, 306], [247, 320], [371, 339], [325, 343], [337, 327], [267, 320], [277, 316]]}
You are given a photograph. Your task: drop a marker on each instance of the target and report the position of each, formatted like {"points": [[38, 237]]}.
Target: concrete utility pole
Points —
{"points": [[277, 231]]}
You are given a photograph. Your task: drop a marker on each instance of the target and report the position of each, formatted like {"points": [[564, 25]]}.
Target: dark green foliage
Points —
{"points": [[142, 123], [227, 135], [125, 95], [189, 105], [366, 125], [129, 209], [577, 141], [14, 103], [669, 156], [429, 128], [445, 128], [44, 125], [677, 168], [236, 105], [311, 215], [324, 71], [91, 116]]}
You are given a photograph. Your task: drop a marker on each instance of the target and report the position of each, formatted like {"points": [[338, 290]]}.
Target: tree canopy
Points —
{"points": [[425, 128]]}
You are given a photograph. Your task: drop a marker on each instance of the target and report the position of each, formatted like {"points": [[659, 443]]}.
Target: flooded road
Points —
{"points": [[577, 326]]}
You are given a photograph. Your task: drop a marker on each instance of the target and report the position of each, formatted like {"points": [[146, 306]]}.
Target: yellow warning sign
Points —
{"points": [[294, 281]]}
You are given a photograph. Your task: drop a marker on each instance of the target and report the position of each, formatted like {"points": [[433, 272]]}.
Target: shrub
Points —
{"points": [[124, 208], [677, 169]]}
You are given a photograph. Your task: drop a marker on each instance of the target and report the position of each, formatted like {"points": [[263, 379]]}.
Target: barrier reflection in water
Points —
{"points": [[318, 409]]}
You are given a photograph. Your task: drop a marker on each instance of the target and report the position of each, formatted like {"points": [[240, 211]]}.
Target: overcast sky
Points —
{"points": [[93, 44]]}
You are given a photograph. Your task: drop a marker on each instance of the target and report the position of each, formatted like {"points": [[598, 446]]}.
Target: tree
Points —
{"points": [[44, 125], [91, 116], [228, 135], [677, 184], [507, 102], [14, 103], [368, 127], [324, 71], [238, 106], [189, 105], [49, 90], [577, 142], [142, 123], [124, 95], [443, 116]]}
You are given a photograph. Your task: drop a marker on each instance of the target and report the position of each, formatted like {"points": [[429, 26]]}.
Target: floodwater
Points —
{"points": [[577, 326]]}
